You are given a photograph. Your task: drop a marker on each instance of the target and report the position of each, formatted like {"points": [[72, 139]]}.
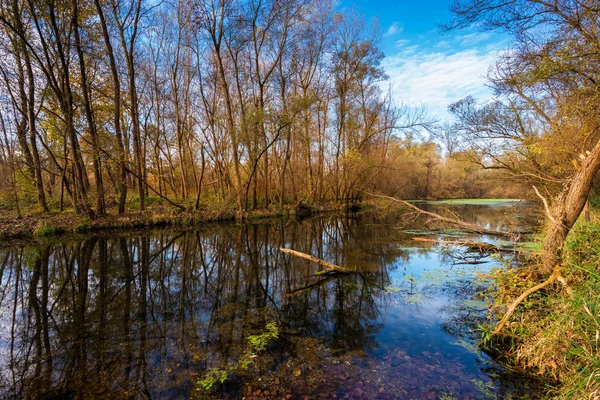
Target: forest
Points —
{"points": [[117, 109], [248, 104]]}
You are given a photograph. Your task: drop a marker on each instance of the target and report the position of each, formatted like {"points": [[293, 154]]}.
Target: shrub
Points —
{"points": [[43, 230], [83, 226]]}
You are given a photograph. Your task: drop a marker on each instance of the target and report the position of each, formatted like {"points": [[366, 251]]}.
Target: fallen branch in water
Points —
{"points": [[331, 268], [481, 247], [511, 309], [455, 221], [472, 262]]}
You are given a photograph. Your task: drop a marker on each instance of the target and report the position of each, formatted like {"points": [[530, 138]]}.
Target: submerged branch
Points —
{"points": [[311, 286], [481, 247]]}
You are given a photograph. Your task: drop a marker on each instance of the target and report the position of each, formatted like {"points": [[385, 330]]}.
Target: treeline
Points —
{"points": [[247, 102], [424, 170]]}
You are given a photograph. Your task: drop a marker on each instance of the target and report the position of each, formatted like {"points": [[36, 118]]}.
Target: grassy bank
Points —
{"points": [[556, 332], [32, 223]]}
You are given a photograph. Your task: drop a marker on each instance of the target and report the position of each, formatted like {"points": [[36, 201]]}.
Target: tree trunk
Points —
{"points": [[568, 207], [100, 204], [137, 141], [116, 109], [128, 53], [230, 123], [65, 98], [28, 103]]}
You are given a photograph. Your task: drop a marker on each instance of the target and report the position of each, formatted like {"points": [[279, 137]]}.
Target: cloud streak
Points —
{"points": [[394, 29], [438, 76]]}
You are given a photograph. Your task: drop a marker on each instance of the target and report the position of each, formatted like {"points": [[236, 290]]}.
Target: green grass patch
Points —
{"points": [[83, 226], [7, 204], [556, 332], [530, 246], [43, 230]]}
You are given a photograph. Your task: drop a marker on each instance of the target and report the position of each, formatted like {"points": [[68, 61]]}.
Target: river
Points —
{"points": [[221, 312]]}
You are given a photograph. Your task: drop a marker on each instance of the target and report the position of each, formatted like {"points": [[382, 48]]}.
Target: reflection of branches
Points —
{"points": [[459, 257], [312, 286], [199, 291]]}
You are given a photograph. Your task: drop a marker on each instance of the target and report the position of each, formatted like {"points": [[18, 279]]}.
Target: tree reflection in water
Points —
{"points": [[146, 314]]}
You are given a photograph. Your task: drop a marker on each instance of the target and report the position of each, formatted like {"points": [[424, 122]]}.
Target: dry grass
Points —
{"points": [[556, 333]]}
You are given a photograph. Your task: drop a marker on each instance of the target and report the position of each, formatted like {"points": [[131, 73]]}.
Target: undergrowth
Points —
{"points": [[556, 332], [43, 230]]}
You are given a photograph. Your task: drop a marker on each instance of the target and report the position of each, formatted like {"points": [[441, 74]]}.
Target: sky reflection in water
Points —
{"points": [[147, 314]]}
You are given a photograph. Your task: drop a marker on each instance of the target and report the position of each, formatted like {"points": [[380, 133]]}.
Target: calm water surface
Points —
{"points": [[150, 314]]}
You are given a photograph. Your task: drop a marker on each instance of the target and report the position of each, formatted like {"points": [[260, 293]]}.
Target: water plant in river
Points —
{"points": [[259, 342], [212, 377], [485, 389], [256, 344]]}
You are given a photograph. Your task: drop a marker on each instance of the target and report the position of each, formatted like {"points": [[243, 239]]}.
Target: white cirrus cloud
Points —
{"points": [[401, 43], [436, 77], [472, 39], [394, 29]]}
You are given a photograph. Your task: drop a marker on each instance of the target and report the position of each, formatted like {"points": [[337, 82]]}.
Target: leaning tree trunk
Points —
{"points": [[568, 207]]}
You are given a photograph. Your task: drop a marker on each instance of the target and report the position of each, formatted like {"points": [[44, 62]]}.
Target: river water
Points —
{"points": [[221, 312]]}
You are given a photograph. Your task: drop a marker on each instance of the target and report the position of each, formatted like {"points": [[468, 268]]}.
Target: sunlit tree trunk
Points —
{"points": [[128, 44], [568, 208], [100, 203], [116, 108]]}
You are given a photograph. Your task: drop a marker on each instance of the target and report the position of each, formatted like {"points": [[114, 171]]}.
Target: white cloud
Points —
{"points": [[406, 51], [436, 77], [394, 29], [442, 44], [472, 39], [402, 42]]}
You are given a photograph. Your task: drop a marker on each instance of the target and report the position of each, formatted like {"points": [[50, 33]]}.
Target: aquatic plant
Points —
{"points": [[256, 344], [484, 388], [213, 376], [259, 342]]}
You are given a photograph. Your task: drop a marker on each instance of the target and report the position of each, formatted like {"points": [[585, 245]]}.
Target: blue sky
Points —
{"points": [[425, 66]]}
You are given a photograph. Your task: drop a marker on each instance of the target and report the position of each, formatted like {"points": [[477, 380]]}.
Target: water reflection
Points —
{"points": [[145, 315]]}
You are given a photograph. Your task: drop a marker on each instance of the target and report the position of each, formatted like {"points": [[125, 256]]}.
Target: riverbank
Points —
{"points": [[555, 333], [35, 224]]}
